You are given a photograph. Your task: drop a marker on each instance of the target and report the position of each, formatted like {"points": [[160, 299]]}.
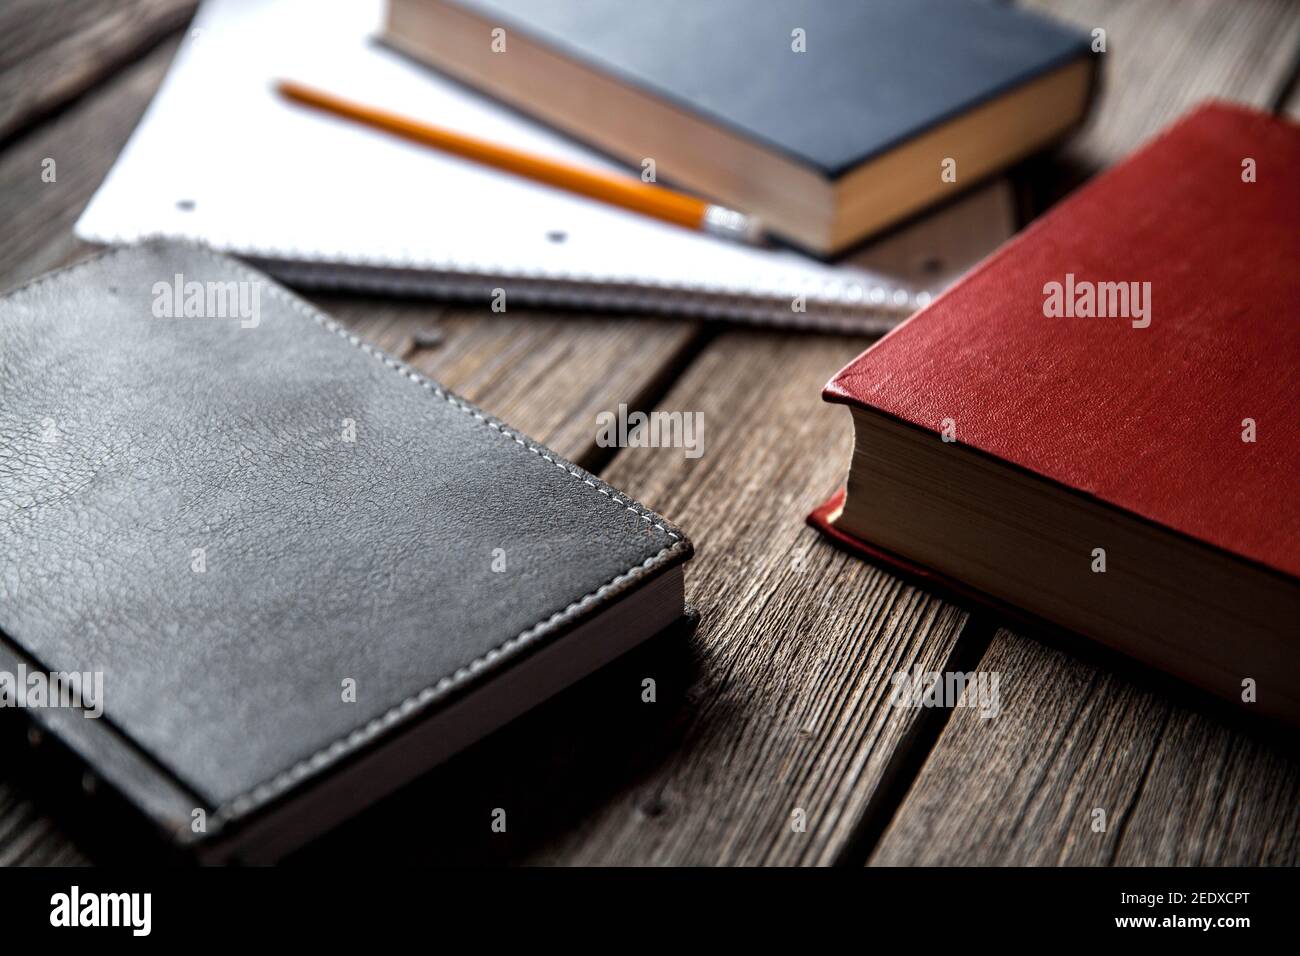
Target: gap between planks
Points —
{"points": [[55, 50]]}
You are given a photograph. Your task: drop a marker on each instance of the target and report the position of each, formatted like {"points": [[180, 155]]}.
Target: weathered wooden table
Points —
{"points": [[779, 701]]}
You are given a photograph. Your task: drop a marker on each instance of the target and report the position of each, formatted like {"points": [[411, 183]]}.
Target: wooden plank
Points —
{"points": [[1177, 786], [1215, 795], [1162, 57], [54, 50], [83, 141], [1081, 737]]}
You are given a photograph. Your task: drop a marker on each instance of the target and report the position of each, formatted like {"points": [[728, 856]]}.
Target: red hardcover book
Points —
{"points": [[1098, 427]]}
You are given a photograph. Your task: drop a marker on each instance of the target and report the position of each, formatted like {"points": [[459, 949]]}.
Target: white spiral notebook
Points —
{"points": [[221, 159]]}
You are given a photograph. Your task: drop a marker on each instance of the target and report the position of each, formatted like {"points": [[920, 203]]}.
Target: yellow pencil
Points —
{"points": [[646, 198]]}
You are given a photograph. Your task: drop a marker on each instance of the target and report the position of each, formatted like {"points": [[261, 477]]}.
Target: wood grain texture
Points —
{"points": [[797, 642], [83, 141], [1178, 786], [1162, 57], [53, 50], [1019, 789]]}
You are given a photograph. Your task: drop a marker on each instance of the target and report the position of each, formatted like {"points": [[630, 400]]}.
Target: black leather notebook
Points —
{"points": [[828, 119], [291, 572]]}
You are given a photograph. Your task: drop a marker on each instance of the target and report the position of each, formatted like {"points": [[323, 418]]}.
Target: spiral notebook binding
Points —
{"points": [[831, 305], [831, 312]]}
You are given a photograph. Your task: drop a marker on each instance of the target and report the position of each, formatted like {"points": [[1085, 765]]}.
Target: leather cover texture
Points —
{"points": [[229, 519], [1148, 420], [877, 73]]}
